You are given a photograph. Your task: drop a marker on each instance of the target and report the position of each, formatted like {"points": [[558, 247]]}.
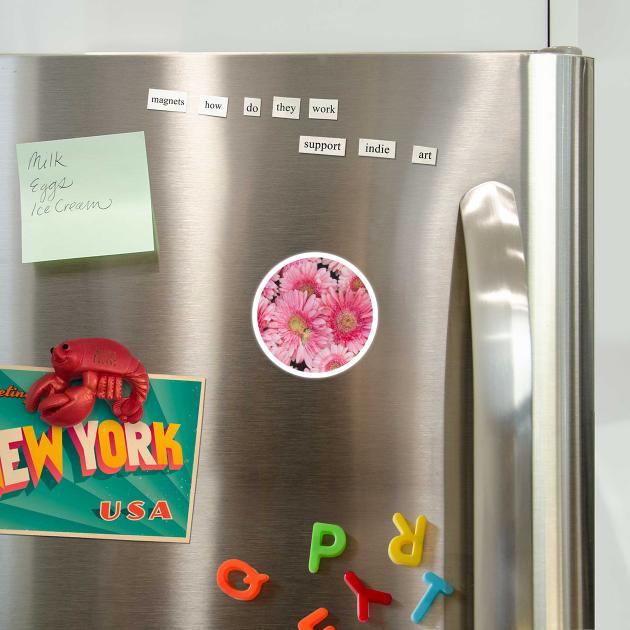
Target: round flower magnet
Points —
{"points": [[315, 315]]}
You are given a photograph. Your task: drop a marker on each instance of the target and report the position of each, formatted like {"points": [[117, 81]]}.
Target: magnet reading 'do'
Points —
{"points": [[102, 364]]}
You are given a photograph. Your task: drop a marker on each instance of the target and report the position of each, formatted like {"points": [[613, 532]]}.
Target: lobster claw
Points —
{"points": [[68, 408], [43, 386], [128, 410]]}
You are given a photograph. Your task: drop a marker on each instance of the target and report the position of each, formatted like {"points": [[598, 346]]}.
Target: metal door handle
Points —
{"points": [[502, 373]]}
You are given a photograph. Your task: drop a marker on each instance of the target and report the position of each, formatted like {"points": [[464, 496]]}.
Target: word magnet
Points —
{"points": [[252, 577], [251, 106], [213, 106], [285, 107], [322, 146], [436, 586], [424, 155], [365, 595], [377, 148], [323, 108], [319, 550], [167, 100], [407, 537]]}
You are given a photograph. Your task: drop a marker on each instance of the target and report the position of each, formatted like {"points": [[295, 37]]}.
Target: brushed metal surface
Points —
{"points": [[560, 276], [231, 198], [502, 368]]}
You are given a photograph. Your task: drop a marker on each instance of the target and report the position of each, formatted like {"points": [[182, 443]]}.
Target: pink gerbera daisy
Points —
{"points": [[307, 277], [349, 281], [265, 311], [302, 329], [299, 261], [271, 288], [333, 265], [331, 358], [349, 315], [281, 353]]}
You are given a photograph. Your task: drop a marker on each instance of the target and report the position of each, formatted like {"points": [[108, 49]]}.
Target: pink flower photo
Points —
{"points": [[315, 315]]}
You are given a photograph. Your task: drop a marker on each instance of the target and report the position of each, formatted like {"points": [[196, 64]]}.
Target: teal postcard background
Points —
{"points": [[72, 505]]}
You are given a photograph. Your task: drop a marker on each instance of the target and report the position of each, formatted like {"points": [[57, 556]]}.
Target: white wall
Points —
{"points": [[270, 25], [604, 27]]}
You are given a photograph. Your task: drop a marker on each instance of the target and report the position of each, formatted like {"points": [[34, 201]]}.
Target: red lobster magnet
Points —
{"points": [[102, 364]]}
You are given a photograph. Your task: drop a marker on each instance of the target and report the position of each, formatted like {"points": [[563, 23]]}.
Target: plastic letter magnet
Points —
{"points": [[308, 623], [319, 551], [252, 577], [365, 595], [407, 537], [436, 586]]}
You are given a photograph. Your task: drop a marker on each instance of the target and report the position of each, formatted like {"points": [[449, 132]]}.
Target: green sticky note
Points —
{"points": [[85, 197]]}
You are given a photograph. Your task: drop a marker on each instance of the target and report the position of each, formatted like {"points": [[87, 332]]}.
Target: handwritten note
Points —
{"points": [[85, 197]]}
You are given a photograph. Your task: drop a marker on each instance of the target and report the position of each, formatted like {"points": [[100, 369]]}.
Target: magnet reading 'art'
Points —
{"points": [[252, 577], [407, 537], [102, 364]]}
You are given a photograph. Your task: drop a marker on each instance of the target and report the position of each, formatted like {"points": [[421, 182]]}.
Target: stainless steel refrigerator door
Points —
{"points": [[232, 197]]}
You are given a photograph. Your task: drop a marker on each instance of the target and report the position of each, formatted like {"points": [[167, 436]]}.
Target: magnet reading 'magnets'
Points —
{"points": [[103, 364]]}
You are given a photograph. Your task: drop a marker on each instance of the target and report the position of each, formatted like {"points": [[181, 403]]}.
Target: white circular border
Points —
{"points": [[288, 368]]}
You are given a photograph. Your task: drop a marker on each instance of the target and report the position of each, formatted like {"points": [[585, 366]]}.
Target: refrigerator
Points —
{"points": [[470, 399]]}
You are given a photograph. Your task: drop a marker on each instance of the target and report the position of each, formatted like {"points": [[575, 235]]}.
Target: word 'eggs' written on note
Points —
{"points": [[85, 197]]}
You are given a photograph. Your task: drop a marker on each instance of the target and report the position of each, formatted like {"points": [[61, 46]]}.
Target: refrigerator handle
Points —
{"points": [[502, 374]]}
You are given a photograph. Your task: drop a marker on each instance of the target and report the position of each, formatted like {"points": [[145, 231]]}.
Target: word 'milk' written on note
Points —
{"points": [[85, 197]]}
